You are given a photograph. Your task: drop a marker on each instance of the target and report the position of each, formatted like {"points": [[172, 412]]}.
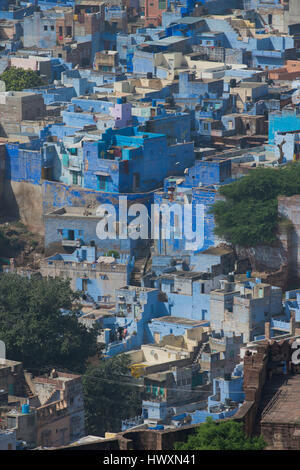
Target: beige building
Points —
{"points": [[41, 411], [18, 106]]}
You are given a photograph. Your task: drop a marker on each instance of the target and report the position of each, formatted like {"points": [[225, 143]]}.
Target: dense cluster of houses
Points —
{"points": [[156, 102]]}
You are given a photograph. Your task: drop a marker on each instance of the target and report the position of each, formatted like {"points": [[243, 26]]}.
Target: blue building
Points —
{"points": [[96, 277], [189, 199], [227, 397], [192, 90], [135, 308], [187, 295], [171, 325], [70, 227], [283, 121], [128, 160], [26, 163]]}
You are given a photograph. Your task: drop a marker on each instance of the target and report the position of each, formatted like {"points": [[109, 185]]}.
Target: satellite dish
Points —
{"points": [[296, 97]]}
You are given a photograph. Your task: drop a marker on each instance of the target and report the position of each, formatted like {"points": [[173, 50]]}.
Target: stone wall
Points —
{"points": [[2, 174]]}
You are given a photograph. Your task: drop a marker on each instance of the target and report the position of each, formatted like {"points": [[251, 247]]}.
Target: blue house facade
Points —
{"points": [[128, 160]]}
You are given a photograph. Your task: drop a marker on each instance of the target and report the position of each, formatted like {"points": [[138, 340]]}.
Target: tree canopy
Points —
{"points": [[36, 328], [221, 435], [17, 79], [249, 214], [110, 395]]}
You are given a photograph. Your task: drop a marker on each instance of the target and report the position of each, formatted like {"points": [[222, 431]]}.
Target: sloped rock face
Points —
{"points": [[265, 258], [271, 264]]}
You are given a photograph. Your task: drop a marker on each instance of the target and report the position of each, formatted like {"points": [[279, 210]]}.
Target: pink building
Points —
{"points": [[122, 114], [37, 64], [153, 11]]}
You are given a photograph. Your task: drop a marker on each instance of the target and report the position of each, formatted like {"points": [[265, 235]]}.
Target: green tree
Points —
{"points": [[10, 243], [248, 215], [113, 253], [39, 324], [17, 79], [221, 435], [110, 395]]}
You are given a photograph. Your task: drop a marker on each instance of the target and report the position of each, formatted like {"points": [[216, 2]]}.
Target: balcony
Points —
{"points": [[71, 243]]}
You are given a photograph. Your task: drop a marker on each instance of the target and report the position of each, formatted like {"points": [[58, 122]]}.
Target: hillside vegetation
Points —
{"points": [[249, 214]]}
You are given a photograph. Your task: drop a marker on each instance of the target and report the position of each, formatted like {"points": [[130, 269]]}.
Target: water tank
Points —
{"points": [[248, 274], [119, 101], [25, 409]]}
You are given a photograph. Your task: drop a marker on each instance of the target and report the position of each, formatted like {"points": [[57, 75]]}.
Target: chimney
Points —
{"points": [[292, 323], [267, 330]]}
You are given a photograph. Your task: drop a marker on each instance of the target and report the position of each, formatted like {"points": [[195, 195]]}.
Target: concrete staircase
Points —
{"points": [[90, 300], [197, 352], [138, 271]]}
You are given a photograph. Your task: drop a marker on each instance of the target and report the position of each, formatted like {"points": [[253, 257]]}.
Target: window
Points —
{"points": [[71, 235], [11, 422], [52, 28], [84, 284], [101, 183], [136, 180], [45, 28], [74, 177], [157, 338]]}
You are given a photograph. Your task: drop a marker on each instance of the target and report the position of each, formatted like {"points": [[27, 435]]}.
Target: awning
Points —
{"points": [[101, 173]]}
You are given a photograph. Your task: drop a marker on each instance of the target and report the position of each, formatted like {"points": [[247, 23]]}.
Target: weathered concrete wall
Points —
{"points": [[290, 207], [2, 174]]}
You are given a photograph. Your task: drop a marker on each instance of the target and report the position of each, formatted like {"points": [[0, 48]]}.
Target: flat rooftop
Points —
{"points": [[74, 212], [217, 251], [7, 363], [181, 321], [137, 289]]}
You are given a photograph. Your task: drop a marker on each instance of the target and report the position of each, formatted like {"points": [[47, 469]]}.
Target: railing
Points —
{"points": [[72, 243], [280, 325], [132, 422]]}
